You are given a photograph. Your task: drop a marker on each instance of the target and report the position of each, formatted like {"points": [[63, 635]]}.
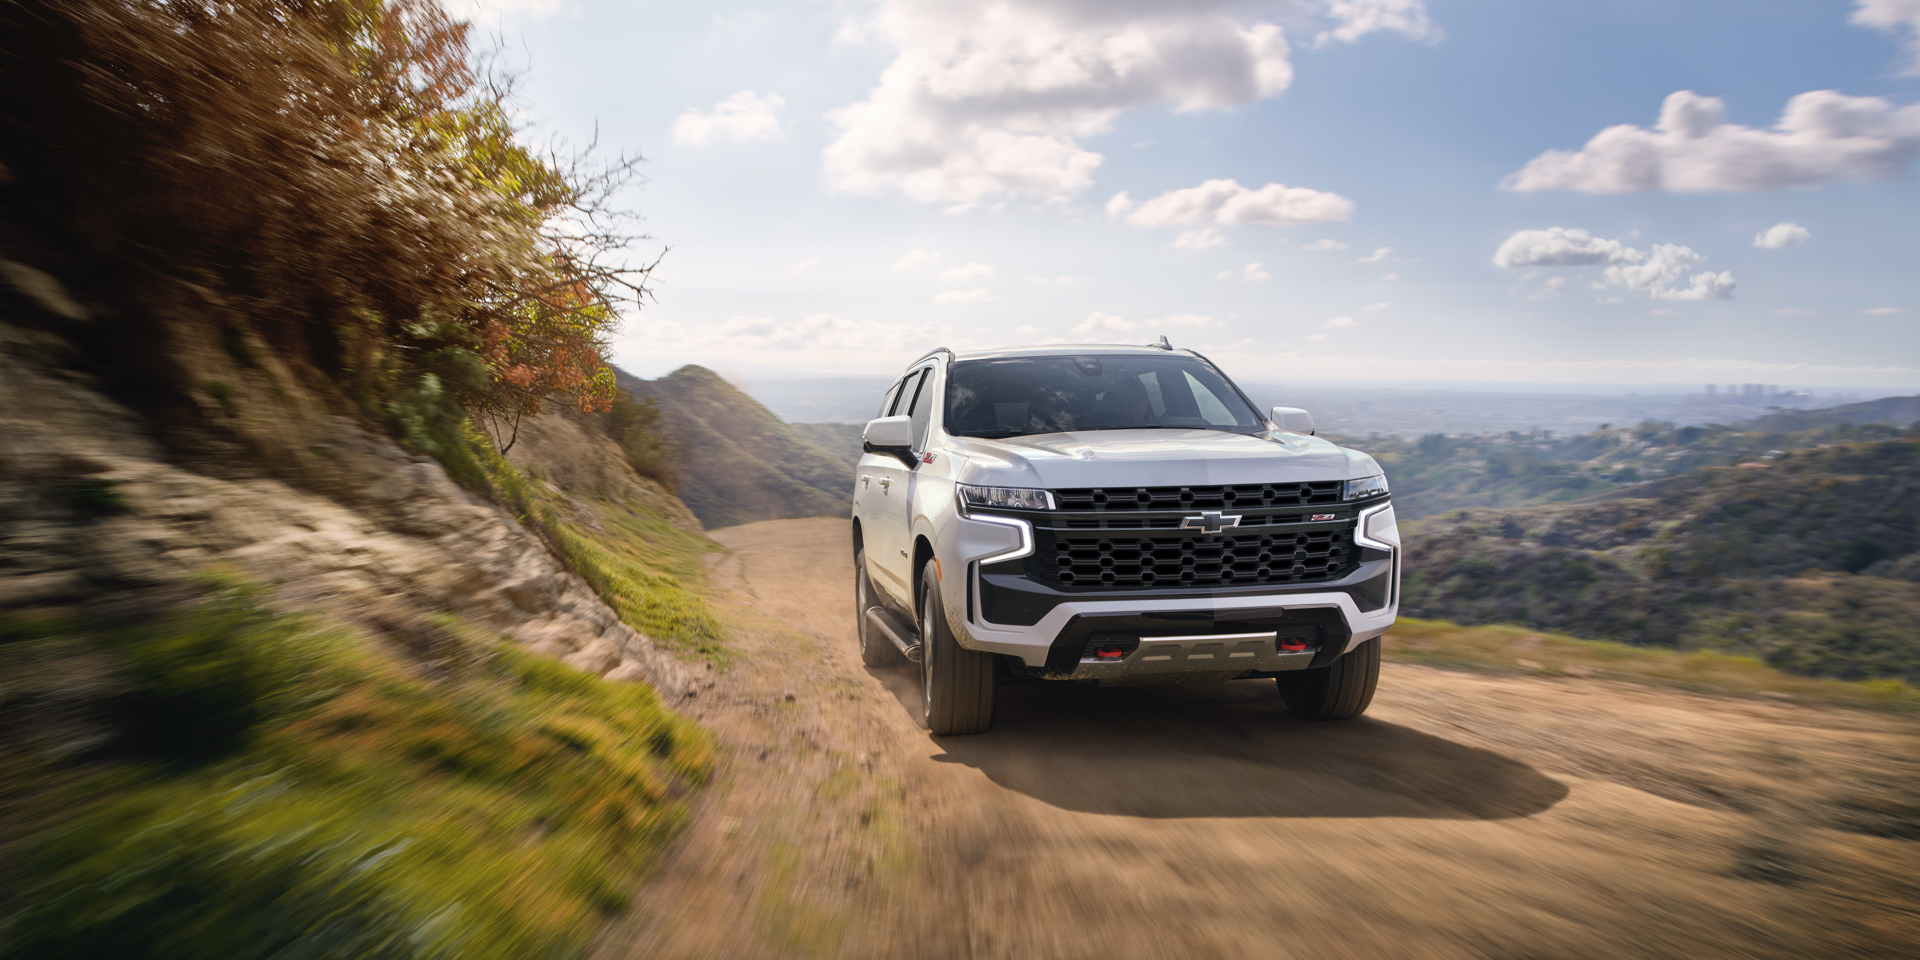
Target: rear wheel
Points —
{"points": [[956, 683], [1339, 691], [875, 650]]}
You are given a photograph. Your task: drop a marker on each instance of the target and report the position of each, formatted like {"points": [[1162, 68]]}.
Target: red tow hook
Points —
{"points": [[1109, 651], [1292, 644]]}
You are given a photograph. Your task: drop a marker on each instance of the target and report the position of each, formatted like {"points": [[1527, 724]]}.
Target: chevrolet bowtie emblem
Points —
{"points": [[1209, 521]]}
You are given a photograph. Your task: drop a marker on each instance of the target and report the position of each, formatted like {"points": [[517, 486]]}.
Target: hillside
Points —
{"points": [[842, 440], [737, 462], [1892, 410], [1809, 561], [1441, 472]]}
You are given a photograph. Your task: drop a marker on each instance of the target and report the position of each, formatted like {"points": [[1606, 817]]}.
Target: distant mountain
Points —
{"points": [[1896, 410], [1809, 561], [737, 461], [843, 440]]}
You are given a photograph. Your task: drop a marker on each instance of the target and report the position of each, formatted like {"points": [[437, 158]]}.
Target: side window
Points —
{"points": [[886, 402], [921, 407]]}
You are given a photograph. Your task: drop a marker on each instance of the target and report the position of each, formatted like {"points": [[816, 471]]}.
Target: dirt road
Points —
{"points": [[1464, 816]]}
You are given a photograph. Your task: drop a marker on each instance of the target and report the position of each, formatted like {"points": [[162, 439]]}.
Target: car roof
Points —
{"points": [[1071, 350]]}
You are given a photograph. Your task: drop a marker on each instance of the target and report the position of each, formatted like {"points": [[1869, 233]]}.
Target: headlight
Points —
{"points": [[1011, 498], [1365, 487]]}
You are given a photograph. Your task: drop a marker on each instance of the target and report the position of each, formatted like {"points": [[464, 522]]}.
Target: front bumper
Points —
{"points": [[1203, 635]]}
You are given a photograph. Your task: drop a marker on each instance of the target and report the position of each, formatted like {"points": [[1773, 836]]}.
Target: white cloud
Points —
{"points": [[1254, 273], [919, 258], [993, 98], [1377, 255], [803, 266], [1882, 311], [493, 11], [1663, 312], [950, 297], [966, 272], [739, 118], [820, 332], [1064, 278], [1205, 238], [1656, 272], [1663, 268], [1339, 323], [1316, 336], [1891, 16], [1561, 247], [1325, 245], [1357, 18], [1822, 137], [1376, 306], [1783, 234], [1547, 290], [1190, 320], [1388, 278], [1097, 321], [1227, 202]]}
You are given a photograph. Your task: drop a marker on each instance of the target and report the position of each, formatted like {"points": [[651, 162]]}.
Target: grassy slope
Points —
{"points": [[1806, 562], [284, 789], [737, 461], [1516, 650]]}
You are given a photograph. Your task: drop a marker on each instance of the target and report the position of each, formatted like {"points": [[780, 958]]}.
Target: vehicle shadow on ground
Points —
{"points": [[1227, 750]]}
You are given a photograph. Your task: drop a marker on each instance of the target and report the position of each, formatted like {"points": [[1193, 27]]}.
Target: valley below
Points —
{"points": [[1469, 814]]}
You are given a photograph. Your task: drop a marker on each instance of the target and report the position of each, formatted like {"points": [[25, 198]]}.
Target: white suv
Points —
{"points": [[1114, 515]]}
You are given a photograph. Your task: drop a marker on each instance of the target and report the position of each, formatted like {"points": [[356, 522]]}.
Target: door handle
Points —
{"points": [[865, 480], [886, 481]]}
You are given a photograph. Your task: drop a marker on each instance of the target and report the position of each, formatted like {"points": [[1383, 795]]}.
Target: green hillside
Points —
{"points": [[1808, 561], [736, 461]]}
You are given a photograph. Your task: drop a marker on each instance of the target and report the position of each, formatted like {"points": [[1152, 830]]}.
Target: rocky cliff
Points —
{"points": [[99, 504]]}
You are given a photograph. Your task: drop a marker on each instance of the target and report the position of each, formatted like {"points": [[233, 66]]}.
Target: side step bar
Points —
{"points": [[883, 620]]}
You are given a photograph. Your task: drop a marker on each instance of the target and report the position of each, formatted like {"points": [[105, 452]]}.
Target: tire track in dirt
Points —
{"points": [[1463, 817]]}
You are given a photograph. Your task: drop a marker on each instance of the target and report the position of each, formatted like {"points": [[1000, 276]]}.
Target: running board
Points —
{"points": [[882, 620]]}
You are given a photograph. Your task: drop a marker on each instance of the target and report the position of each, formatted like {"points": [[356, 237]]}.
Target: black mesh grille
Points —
{"points": [[1243, 496], [1240, 560]]}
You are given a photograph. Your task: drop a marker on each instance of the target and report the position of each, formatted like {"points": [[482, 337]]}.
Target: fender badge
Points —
{"points": [[927, 459]]}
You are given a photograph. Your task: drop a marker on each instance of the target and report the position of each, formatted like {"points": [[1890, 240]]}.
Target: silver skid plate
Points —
{"points": [[1214, 653]]}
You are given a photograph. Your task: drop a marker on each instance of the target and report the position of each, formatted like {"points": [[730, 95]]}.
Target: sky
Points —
{"points": [[1663, 193]]}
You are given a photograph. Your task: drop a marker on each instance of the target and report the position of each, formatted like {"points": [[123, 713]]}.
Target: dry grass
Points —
{"points": [[1520, 650]]}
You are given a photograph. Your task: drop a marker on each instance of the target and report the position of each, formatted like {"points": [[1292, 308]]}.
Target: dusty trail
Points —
{"points": [[1464, 817]]}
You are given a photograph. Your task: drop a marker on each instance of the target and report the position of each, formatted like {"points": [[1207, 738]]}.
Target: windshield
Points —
{"points": [[1025, 395]]}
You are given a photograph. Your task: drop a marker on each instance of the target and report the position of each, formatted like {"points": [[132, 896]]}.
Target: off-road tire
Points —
{"points": [[1338, 691], [956, 683], [875, 649]]}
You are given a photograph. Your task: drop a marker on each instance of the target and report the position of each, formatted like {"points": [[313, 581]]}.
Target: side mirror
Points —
{"points": [[1290, 419], [889, 435]]}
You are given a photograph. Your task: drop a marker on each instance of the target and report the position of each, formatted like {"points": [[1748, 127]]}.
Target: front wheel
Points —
{"points": [[956, 683], [1339, 691], [875, 650]]}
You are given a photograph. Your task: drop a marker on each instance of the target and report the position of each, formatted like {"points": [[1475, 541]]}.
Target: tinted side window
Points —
{"points": [[886, 402], [921, 408]]}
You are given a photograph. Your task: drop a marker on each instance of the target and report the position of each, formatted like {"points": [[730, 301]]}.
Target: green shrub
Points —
{"points": [[202, 678]]}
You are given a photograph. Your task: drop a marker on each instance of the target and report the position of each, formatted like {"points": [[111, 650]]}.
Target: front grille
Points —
{"points": [[1194, 561], [1246, 496]]}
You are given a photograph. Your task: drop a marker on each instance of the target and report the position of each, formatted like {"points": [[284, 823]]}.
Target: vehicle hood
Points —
{"points": [[1155, 458]]}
